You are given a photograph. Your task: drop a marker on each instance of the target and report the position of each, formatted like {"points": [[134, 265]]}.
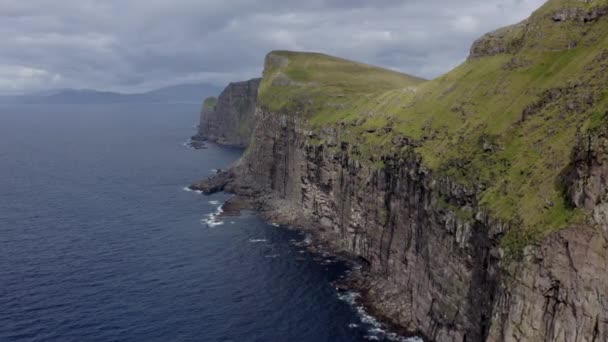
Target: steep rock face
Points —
{"points": [[429, 272], [578, 14], [588, 179], [559, 292], [230, 120], [433, 269]]}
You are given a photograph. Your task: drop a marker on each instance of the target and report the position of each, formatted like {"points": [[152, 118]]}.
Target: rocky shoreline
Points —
{"points": [[355, 283]]}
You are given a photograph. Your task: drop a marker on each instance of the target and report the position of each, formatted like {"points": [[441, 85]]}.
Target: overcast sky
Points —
{"points": [[134, 45]]}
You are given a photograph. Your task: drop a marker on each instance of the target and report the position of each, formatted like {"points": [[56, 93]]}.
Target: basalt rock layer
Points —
{"points": [[478, 200]]}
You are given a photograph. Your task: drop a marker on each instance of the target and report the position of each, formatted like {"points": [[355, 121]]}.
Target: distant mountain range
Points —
{"points": [[194, 92]]}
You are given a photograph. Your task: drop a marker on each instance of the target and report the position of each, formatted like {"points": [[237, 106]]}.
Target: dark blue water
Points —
{"points": [[99, 241]]}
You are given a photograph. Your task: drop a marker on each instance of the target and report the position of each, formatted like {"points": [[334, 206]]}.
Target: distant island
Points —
{"points": [[192, 92]]}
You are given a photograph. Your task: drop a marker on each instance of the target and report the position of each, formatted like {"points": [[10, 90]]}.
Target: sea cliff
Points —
{"points": [[478, 200], [229, 119]]}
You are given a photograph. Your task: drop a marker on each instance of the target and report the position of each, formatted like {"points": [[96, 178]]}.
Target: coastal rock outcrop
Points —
{"points": [[504, 40], [229, 119]]}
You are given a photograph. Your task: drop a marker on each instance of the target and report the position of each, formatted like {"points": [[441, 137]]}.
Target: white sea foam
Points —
{"points": [[308, 239], [190, 190], [214, 202], [189, 144], [257, 240], [275, 224], [213, 220], [377, 330], [272, 256]]}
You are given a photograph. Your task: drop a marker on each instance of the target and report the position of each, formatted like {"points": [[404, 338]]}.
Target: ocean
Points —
{"points": [[100, 241]]}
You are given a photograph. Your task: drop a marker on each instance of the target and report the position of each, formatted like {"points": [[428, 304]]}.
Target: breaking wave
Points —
{"points": [[190, 190], [376, 331], [213, 219]]}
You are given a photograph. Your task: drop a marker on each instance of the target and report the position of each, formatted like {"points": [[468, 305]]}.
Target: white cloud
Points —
{"points": [[15, 79], [133, 45], [465, 23]]}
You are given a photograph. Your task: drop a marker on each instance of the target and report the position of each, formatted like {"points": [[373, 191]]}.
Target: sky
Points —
{"points": [[137, 45]]}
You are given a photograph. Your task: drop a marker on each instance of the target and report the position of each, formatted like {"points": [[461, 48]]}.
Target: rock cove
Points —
{"points": [[478, 200]]}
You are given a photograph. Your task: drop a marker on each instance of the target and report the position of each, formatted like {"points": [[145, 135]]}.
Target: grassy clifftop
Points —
{"points": [[505, 121], [320, 83], [209, 102]]}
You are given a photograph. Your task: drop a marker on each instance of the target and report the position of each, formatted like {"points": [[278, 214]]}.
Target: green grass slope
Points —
{"points": [[504, 122], [321, 83], [209, 103]]}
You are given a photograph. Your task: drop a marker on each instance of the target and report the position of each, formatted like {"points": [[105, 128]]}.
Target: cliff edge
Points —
{"points": [[478, 200]]}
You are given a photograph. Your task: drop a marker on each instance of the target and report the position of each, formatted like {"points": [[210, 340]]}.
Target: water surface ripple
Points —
{"points": [[100, 242]]}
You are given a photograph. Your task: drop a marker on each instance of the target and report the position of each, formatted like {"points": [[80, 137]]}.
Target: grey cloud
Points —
{"points": [[134, 45]]}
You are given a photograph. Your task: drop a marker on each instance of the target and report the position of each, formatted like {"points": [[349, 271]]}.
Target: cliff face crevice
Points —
{"points": [[230, 119], [587, 181]]}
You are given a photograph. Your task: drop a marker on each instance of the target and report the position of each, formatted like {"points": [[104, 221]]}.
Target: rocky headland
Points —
{"points": [[478, 201], [229, 119]]}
